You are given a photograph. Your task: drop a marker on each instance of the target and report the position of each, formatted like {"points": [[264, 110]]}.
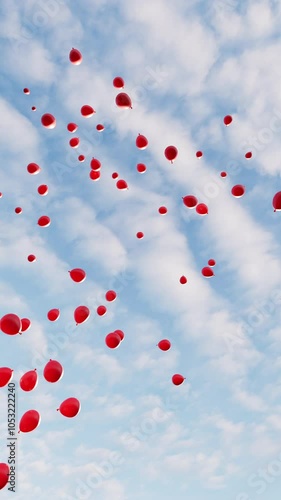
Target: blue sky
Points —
{"points": [[185, 66]]}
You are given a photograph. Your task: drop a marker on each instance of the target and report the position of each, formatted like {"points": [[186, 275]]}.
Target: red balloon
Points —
{"points": [[162, 210], [121, 184], [81, 314], [81, 158], [74, 142], [115, 175], [29, 421], [31, 258], [199, 154], [10, 324], [141, 142], [33, 108], [112, 340], [227, 120], [202, 209], [276, 202], [110, 295], [75, 57], [207, 272], [25, 324], [211, 262], [248, 155], [87, 111], [53, 371], [94, 175], [123, 101], [118, 82], [223, 174], [77, 275], [70, 407], [178, 379], [1, 195], [43, 189], [4, 475], [238, 191], [33, 168], [183, 280], [44, 221], [164, 345], [53, 314], [18, 210], [26, 91], [95, 164], [99, 127], [120, 333], [139, 235], [6, 375], [72, 127], [190, 201], [141, 168], [101, 310], [48, 120], [29, 380], [171, 153]]}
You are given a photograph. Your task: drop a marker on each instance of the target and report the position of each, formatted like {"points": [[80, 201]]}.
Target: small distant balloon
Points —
{"points": [[26, 91], [238, 191], [74, 142], [29, 381], [99, 127], [44, 221], [29, 421], [121, 184], [33, 108], [75, 57], [72, 127], [207, 272], [70, 407], [211, 262], [112, 340], [190, 201], [248, 155], [122, 100], [95, 164], [94, 175], [162, 210], [164, 345], [110, 295], [115, 175], [78, 275], [227, 120], [141, 168], [18, 210], [48, 121], [139, 235], [171, 153], [199, 154], [118, 82], [223, 174], [101, 310], [202, 209], [53, 314], [81, 314], [25, 324], [183, 280], [43, 189], [81, 158], [141, 142], [276, 202], [87, 111], [31, 258], [33, 168], [6, 375], [178, 379]]}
